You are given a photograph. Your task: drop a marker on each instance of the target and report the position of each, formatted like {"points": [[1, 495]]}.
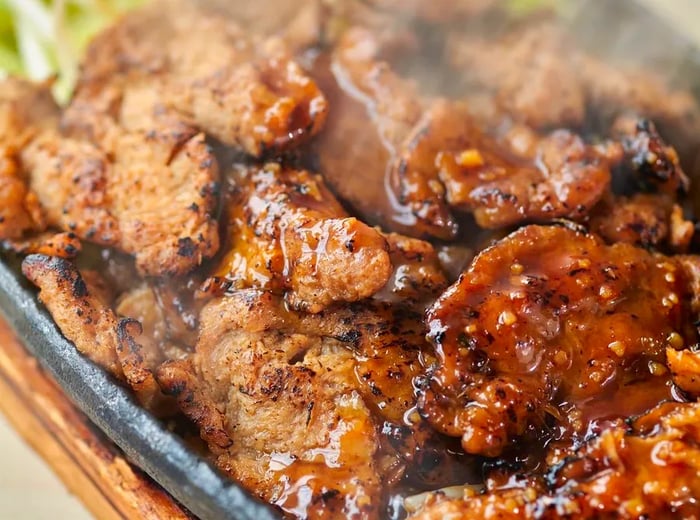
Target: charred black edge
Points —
{"points": [[161, 454]]}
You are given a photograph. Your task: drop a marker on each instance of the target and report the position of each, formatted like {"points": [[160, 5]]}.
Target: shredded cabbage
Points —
{"points": [[40, 39]]}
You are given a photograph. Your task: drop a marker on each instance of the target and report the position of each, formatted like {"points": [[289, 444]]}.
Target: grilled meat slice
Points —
{"points": [[147, 192], [539, 77], [549, 320], [19, 208], [643, 219], [154, 202], [288, 387], [613, 90], [245, 93], [287, 233], [648, 469], [80, 305], [177, 378], [80, 311], [426, 159], [448, 158]]}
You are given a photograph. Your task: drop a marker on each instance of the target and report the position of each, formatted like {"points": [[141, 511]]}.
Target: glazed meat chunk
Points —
{"points": [[644, 219], [648, 469], [448, 159], [245, 93], [421, 160], [418, 274], [287, 233], [296, 404], [546, 322]]}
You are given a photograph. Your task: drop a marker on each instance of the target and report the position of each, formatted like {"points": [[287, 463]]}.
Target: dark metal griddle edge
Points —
{"points": [[160, 453]]}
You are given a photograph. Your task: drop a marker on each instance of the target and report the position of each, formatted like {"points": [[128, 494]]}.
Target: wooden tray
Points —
{"points": [[88, 463]]}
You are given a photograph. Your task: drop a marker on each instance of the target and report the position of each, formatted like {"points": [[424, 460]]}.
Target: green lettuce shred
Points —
{"points": [[41, 39]]}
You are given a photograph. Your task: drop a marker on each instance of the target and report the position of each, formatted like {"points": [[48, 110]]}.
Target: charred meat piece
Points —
{"points": [[646, 220], [529, 72], [654, 164], [449, 160], [648, 469], [134, 177], [81, 312], [548, 320], [427, 162], [80, 305], [642, 161], [245, 93], [287, 387], [287, 233], [153, 200], [147, 192]]}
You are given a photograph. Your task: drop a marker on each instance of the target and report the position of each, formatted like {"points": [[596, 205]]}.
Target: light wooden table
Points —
{"points": [[29, 490]]}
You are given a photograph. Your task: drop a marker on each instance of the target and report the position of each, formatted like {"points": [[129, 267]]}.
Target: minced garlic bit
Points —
{"points": [[517, 268], [470, 158], [618, 347], [507, 318], [595, 376], [584, 263], [606, 292], [670, 300]]}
